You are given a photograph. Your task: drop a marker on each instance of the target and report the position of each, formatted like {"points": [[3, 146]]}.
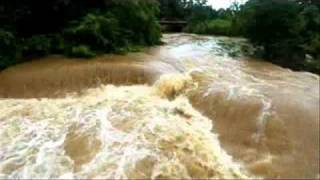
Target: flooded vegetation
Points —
{"points": [[186, 109]]}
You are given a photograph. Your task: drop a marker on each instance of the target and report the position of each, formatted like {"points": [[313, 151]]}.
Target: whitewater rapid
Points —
{"points": [[112, 133]]}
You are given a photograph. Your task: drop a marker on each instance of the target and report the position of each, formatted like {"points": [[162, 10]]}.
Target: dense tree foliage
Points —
{"points": [[182, 9], [287, 30], [76, 28]]}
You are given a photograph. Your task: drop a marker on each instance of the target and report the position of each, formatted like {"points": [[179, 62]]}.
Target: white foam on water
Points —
{"points": [[111, 132]]}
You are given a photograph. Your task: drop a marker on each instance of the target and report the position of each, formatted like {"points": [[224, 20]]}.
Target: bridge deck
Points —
{"points": [[173, 22]]}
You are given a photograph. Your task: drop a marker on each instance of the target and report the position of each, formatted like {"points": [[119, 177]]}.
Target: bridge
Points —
{"points": [[172, 26]]}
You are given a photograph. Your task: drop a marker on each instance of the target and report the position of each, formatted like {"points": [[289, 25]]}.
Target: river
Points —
{"points": [[191, 108]]}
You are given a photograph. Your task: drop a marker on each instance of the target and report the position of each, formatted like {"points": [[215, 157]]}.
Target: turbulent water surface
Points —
{"points": [[195, 107]]}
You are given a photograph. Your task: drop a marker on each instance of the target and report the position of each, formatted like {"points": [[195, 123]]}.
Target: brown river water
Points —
{"points": [[186, 109]]}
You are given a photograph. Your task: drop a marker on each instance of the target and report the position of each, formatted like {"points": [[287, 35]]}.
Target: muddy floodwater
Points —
{"points": [[195, 107]]}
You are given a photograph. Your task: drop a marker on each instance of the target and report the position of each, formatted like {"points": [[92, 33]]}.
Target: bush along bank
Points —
{"points": [[79, 29]]}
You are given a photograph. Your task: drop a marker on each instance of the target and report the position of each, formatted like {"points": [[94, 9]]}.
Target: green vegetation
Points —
{"points": [[8, 49], [288, 30], [79, 28], [215, 26]]}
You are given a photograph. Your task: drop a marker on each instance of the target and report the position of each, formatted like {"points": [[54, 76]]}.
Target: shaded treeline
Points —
{"points": [[75, 28]]}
